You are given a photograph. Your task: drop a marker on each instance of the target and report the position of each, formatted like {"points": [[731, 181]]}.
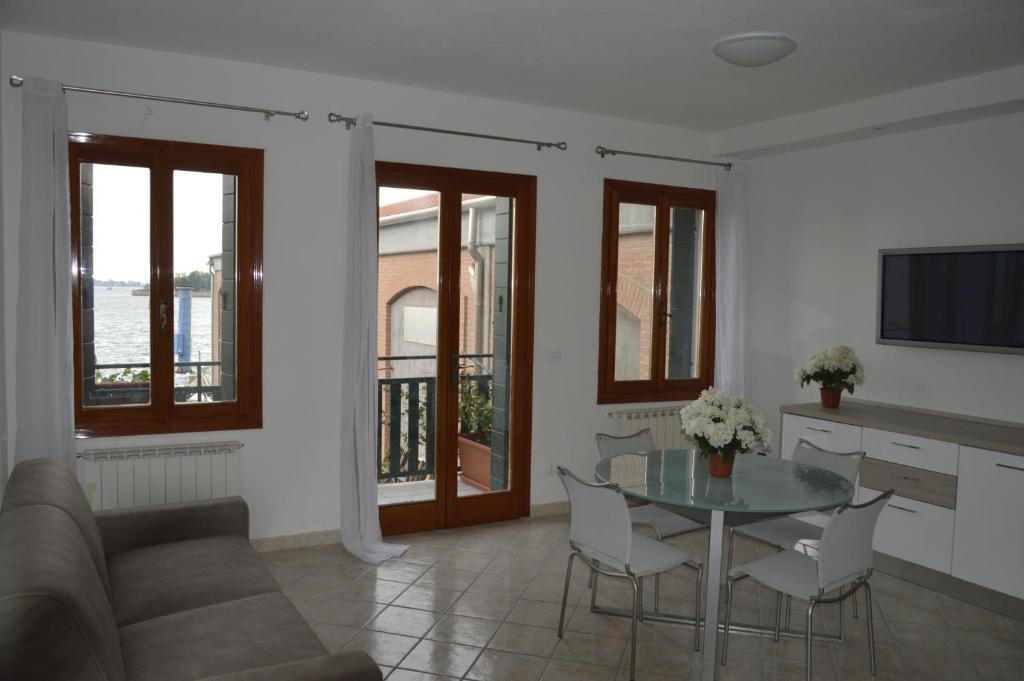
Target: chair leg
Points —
{"points": [[636, 618], [565, 595], [728, 618], [854, 599], [640, 598], [593, 593], [696, 614], [871, 628], [841, 613], [789, 612], [657, 594], [810, 636], [778, 614], [728, 560]]}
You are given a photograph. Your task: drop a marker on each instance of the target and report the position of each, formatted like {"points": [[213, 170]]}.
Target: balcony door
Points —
{"points": [[455, 346]]}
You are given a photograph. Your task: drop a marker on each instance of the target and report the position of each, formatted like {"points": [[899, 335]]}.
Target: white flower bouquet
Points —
{"points": [[725, 423], [836, 368]]}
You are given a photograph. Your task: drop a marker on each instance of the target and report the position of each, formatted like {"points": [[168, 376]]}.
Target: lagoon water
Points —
{"points": [[122, 326]]}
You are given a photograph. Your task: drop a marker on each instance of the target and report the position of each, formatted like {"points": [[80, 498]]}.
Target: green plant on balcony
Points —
{"points": [[475, 410], [126, 375]]}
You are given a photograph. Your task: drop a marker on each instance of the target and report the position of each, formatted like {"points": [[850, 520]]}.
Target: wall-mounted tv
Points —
{"points": [[966, 298]]}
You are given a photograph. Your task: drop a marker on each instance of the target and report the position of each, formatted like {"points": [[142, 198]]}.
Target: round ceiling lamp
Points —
{"points": [[754, 49]]}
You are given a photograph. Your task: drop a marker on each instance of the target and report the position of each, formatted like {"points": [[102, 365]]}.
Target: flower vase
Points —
{"points": [[830, 397], [720, 465]]}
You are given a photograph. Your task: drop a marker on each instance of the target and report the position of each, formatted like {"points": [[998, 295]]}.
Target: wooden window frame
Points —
{"points": [[657, 388], [162, 158]]}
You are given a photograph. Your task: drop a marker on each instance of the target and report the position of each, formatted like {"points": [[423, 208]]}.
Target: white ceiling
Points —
{"points": [[642, 59]]}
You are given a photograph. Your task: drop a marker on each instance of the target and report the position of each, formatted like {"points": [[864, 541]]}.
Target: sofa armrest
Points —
{"points": [[353, 666], [132, 528]]}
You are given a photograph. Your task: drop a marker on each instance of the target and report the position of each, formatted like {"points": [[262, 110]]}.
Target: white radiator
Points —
{"points": [[160, 474], [663, 422]]}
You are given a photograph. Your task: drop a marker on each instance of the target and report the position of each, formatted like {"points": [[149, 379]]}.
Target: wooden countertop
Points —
{"points": [[972, 431]]}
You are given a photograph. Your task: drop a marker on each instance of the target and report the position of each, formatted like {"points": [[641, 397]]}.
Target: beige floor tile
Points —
{"points": [[495, 665], [537, 613], [579, 647], [428, 598], [937, 666], [982, 643], [333, 636], [447, 578], [338, 610], [566, 670], [465, 559], [396, 570], [470, 631], [369, 587], [404, 621], [997, 669], [436, 657], [409, 675], [485, 606], [603, 625], [524, 639], [924, 637], [384, 648], [426, 554]]}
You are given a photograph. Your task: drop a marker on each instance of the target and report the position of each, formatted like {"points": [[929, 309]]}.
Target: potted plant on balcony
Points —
{"points": [[724, 426], [835, 370], [475, 412]]}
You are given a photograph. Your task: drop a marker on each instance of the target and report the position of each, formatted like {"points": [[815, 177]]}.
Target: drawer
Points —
{"points": [[908, 450], [914, 531], [911, 483], [831, 435]]}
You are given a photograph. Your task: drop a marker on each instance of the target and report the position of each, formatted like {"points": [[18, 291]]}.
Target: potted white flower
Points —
{"points": [[723, 426], [835, 370]]}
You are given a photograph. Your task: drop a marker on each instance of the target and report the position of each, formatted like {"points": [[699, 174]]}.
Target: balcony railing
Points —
{"points": [[406, 421], [138, 392]]}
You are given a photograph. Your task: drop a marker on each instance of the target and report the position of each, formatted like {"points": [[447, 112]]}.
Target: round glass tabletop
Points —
{"points": [[759, 484]]}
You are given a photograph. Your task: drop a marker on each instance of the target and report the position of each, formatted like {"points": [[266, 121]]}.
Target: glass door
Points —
{"points": [[454, 396]]}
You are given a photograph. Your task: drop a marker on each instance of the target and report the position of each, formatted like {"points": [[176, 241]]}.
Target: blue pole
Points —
{"points": [[183, 338]]}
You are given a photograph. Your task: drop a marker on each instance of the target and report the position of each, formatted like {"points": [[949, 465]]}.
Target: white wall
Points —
{"points": [[290, 466], [818, 219]]}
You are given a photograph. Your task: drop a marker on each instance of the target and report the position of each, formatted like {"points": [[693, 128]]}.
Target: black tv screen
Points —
{"points": [[960, 298]]}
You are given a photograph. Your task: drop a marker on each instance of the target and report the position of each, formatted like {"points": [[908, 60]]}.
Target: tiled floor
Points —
{"points": [[482, 603]]}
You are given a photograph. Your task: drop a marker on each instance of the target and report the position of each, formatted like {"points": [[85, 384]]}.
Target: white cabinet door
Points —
{"points": [[988, 547], [838, 437], [914, 531]]}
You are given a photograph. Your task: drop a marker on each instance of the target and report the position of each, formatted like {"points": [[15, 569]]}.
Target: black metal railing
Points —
{"points": [[406, 416], [133, 391]]}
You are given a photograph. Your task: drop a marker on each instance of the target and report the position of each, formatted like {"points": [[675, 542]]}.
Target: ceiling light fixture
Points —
{"points": [[754, 49]]}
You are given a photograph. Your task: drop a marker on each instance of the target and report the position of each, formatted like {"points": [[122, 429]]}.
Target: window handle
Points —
{"points": [[163, 316]]}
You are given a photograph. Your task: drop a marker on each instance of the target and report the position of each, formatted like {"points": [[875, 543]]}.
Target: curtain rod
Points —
{"points": [[605, 151], [351, 121], [18, 81]]}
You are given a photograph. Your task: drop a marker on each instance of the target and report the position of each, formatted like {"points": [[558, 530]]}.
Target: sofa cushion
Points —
{"points": [[167, 578], [250, 632], [51, 483], [55, 618]]}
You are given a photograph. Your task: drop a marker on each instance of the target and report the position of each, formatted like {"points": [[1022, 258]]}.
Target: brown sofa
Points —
{"points": [[160, 593]]}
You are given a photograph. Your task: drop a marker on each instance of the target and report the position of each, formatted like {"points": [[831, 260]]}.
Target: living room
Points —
{"points": [[882, 128]]}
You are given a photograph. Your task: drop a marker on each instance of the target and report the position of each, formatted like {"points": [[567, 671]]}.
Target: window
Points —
{"points": [[657, 333], [166, 242]]}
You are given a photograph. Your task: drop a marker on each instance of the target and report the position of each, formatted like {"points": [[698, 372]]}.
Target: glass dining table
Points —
{"points": [[760, 487]]}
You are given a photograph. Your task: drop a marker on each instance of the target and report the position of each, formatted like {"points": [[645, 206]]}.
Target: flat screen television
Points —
{"points": [[966, 298]]}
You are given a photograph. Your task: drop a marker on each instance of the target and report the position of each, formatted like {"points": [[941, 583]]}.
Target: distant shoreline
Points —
{"points": [[143, 292]]}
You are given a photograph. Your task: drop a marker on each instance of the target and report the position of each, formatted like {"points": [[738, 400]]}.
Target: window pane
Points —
{"points": [[686, 227], [407, 282], [485, 342], [115, 278], [203, 308], [634, 292]]}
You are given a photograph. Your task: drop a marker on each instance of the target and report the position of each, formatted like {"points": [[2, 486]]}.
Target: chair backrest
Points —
{"points": [[599, 523], [845, 552], [611, 445], [846, 464]]}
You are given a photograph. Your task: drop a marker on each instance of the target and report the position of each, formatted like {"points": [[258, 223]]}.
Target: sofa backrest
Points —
{"points": [[56, 621], [51, 483]]}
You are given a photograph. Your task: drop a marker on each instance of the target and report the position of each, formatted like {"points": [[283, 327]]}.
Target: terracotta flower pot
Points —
{"points": [[475, 460], [830, 397], [720, 465]]}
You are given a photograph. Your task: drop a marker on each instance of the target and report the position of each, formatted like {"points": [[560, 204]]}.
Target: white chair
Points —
{"points": [[664, 523], [844, 565], [601, 535], [789, 532]]}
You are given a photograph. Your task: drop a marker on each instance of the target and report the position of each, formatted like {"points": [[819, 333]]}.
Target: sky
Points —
{"points": [[121, 221]]}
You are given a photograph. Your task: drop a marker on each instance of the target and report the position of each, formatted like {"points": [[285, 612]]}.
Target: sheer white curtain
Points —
{"points": [[360, 524], [43, 397], [731, 276]]}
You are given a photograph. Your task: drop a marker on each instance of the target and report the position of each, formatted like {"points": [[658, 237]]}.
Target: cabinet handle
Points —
{"points": [[820, 430], [902, 508], [1006, 465], [901, 444], [907, 477]]}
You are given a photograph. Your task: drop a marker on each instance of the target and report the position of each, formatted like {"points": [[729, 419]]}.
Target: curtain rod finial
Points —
{"points": [[302, 115], [17, 81]]}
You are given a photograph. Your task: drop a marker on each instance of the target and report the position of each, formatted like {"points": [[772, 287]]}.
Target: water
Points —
{"points": [[122, 326]]}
